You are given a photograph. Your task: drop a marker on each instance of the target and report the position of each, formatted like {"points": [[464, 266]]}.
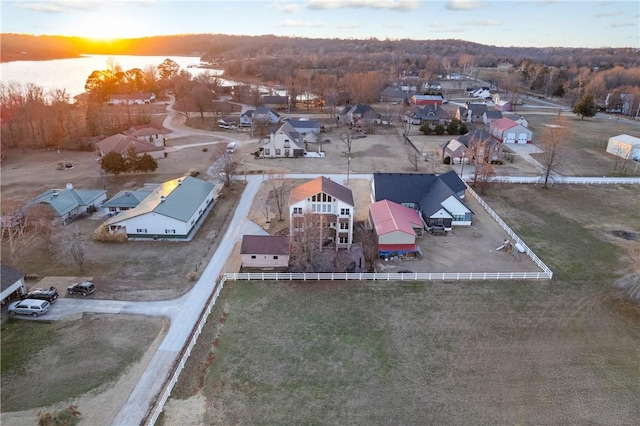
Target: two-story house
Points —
{"points": [[285, 142], [334, 202]]}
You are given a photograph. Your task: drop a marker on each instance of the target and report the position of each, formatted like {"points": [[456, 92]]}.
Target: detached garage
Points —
{"points": [[508, 131], [624, 146]]}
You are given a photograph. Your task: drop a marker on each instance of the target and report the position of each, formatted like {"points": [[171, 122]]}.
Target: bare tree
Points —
{"points": [[554, 141], [21, 227], [71, 248], [279, 194], [413, 156], [223, 169], [367, 238], [307, 240], [347, 139]]}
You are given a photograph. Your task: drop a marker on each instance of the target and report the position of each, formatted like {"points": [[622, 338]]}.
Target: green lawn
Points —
{"points": [[565, 351]]}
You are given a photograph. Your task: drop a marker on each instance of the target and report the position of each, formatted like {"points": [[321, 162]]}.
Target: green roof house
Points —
{"points": [[124, 200], [70, 202], [173, 210]]}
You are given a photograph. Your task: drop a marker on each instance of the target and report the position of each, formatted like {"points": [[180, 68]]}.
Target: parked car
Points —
{"points": [[49, 294], [33, 307], [84, 288]]}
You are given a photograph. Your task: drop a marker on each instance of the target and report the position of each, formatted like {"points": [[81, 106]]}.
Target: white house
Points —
{"points": [[285, 142], [262, 114], [322, 196], [624, 146], [508, 131], [172, 211]]}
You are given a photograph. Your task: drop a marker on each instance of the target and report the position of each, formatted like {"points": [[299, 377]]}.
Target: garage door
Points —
{"points": [[522, 138], [510, 138]]}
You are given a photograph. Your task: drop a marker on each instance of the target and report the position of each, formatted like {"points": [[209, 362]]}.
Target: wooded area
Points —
{"points": [[326, 68]]}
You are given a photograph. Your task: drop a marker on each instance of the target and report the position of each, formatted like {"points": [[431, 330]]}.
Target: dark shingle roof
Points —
{"points": [[265, 244], [9, 276]]}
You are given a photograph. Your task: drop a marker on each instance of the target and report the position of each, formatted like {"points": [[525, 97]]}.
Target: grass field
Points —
{"points": [[565, 351]]}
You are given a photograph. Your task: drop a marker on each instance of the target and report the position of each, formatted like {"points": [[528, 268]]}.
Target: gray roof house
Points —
{"points": [[435, 197], [262, 113], [309, 130], [432, 114], [172, 211], [70, 202], [354, 113], [285, 142]]}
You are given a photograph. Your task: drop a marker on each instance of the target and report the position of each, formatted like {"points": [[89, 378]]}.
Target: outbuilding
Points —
{"points": [[625, 146]]}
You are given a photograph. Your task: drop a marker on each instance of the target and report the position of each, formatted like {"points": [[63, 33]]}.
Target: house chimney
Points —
{"points": [[162, 198], [69, 187]]}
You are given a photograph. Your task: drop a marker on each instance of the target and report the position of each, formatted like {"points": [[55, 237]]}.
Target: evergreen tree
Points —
{"points": [[146, 163], [114, 163], [585, 107]]}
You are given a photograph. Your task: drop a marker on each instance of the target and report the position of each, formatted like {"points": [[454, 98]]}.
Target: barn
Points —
{"points": [[624, 146]]}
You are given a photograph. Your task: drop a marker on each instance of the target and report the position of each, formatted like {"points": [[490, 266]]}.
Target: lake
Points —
{"points": [[72, 74]]}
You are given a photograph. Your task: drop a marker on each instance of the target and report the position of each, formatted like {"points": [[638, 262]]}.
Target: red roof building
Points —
{"points": [[397, 227]]}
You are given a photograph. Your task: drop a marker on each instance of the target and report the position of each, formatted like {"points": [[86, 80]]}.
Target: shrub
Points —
{"points": [[439, 129], [102, 235], [205, 149], [447, 160], [193, 172], [192, 276]]}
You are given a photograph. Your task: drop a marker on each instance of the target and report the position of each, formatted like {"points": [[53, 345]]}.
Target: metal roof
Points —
{"points": [[178, 199]]}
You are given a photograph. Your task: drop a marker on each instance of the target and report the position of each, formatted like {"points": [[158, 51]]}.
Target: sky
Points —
{"points": [[522, 23]]}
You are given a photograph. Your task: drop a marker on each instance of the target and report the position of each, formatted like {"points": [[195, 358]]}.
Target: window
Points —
{"points": [[169, 231], [286, 152], [277, 151], [345, 212], [297, 210], [344, 240], [275, 257], [267, 151], [458, 217], [253, 256], [141, 231], [344, 225], [112, 209]]}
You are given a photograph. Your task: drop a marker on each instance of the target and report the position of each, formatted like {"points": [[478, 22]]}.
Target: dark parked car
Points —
{"points": [[84, 288], [49, 294]]}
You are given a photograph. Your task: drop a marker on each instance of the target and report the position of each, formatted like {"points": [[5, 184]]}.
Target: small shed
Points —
{"points": [[265, 252], [13, 286], [625, 146]]}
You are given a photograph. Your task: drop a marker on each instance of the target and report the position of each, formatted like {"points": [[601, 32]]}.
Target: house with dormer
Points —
{"points": [[285, 142], [309, 129], [432, 114], [435, 197], [352, 115], [477, 142], [331, 202]]}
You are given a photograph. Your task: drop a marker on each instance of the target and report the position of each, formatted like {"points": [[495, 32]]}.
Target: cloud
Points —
{"points": [[285, 7], [349, 27], [487, 23], [63, 6], [463, 5], [393, 25], [400, 5], [623, 24], [295, 23]]}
